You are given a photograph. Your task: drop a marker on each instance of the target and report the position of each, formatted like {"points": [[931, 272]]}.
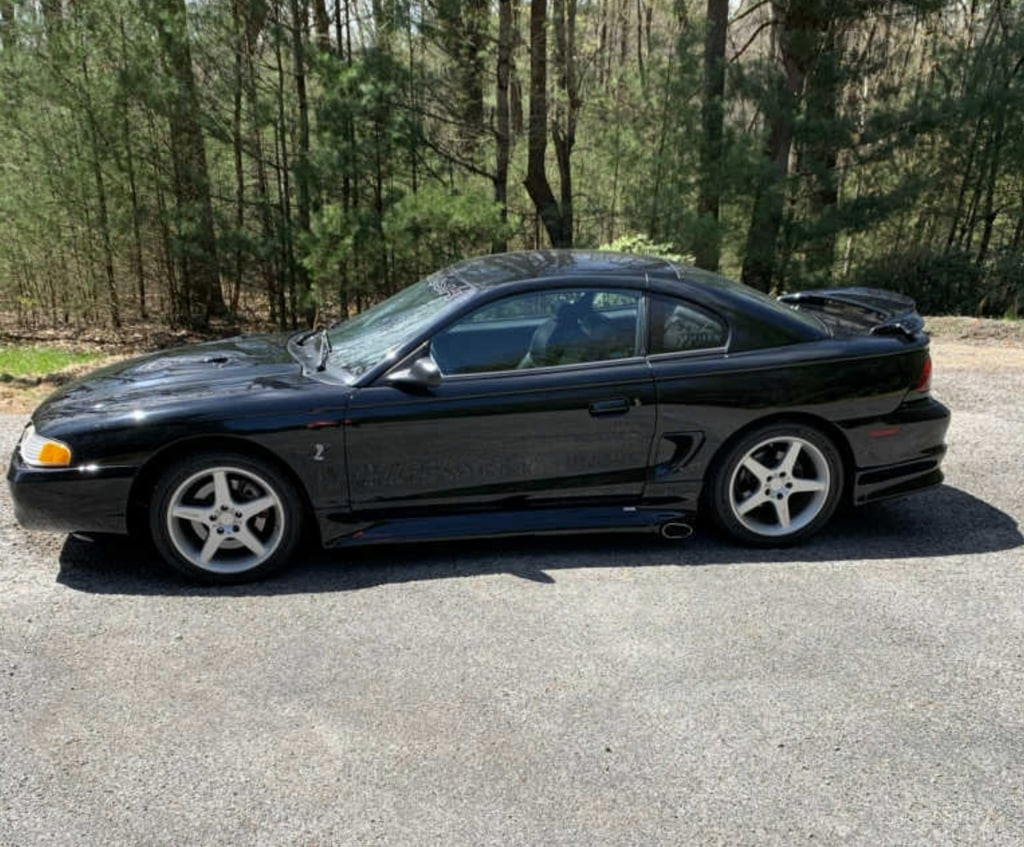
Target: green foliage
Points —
{"points": [[336, 239], [950, 283], [635, 242], [1004, 287], [436, 226], [643, 128], [39, 361], [904, 168], [940, 283], [416, 234]]}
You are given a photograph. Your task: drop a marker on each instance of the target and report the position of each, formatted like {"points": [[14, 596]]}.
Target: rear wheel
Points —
{"points": [[225, 518], [777, 485]]}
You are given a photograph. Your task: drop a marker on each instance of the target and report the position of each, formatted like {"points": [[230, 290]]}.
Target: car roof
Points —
{"points": [[487, 273], [492, 271], [504, 268]]}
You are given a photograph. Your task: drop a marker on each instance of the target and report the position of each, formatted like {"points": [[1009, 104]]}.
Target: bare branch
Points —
{"points": [[761, 28]]}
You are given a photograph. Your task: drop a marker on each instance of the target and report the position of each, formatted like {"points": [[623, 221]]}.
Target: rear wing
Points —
{"points": [[858, 311]]}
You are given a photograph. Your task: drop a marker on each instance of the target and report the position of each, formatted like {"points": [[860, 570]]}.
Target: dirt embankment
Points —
{"points": [[982, 343]]}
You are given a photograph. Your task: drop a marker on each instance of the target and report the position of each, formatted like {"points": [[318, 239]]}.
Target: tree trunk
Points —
{"points": [[759, 264], [138, 264], [770, 198], [198, 255], [472, 65], [567, 112], [707, 250], [463, 35], [820, 154], [323, 25], [53, 19], [173, 301], [284, 192], [306, 306], [113, 301], [8, 33], [536, 182], [250, 20], [503, 134], [103, 221], [237, 147]]}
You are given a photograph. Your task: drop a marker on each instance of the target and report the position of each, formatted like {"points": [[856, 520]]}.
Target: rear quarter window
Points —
{"points": [[678, 326]]}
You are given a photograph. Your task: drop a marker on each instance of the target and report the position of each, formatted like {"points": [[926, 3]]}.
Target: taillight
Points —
{"points": [[924, 381]]}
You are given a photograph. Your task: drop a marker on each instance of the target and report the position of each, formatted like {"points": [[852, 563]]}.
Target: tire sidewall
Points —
{"points": [[724, 469], [180, 471]]}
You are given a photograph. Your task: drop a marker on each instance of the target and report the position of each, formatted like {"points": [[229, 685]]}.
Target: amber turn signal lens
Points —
{"points": [[54, 454], [43, 452]]}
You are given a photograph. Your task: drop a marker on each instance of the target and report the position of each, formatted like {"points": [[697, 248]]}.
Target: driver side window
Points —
{"points": [[541, 329]]}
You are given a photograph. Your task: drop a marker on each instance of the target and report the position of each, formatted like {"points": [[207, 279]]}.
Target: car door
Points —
{"points": [[697, 401], [525, 414]]}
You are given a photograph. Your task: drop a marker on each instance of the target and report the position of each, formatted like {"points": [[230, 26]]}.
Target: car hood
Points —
{"points": [[215, 369]]}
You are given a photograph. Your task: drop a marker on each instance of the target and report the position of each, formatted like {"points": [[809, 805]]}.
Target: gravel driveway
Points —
{"points": [[867, 688]]}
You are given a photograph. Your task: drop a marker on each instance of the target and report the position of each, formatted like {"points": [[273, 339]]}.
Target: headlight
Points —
{"points": [[43, 452]]}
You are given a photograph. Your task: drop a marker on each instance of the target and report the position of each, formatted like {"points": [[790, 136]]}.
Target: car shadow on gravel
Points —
{"points": [[943, 522]]}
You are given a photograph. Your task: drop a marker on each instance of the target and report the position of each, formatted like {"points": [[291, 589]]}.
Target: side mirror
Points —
{"points": [[422, 373]]}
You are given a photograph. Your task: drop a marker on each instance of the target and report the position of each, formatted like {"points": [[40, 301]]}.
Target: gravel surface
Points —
{"points": [[867, 688]]}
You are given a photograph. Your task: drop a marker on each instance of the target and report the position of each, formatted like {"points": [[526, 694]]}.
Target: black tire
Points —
{"points": [[777, 485], [225, 518]]}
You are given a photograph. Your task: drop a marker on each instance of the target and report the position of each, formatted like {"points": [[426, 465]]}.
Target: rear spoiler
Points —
{"points": [[860, 310]]}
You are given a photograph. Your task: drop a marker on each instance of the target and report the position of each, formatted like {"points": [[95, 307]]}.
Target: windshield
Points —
{"points": [[362, 342]]}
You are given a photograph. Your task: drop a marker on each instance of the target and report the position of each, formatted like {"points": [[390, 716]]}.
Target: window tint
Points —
{"points": [[541, 329], [537, 305], [678, 326]]}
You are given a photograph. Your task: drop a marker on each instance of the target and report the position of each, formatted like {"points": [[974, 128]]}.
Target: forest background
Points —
{"points": [[278, 162]]}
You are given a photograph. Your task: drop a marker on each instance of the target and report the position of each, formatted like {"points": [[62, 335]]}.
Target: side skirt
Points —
{"points": [[496, 524]]}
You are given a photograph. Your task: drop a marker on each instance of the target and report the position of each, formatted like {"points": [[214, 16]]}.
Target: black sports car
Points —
{"points": [[541, 392]]}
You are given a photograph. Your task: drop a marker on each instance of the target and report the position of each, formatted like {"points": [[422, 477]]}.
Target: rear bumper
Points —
{"points": [[883, 483], [900, 454]]}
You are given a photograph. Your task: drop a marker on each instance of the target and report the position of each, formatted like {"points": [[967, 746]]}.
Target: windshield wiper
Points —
{"points": [[308, 334], [325, 351]]}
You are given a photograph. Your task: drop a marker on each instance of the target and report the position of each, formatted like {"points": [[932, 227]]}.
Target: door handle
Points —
{"points": [[611, 406]]}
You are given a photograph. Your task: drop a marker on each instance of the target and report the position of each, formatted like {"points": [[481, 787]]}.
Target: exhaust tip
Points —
{"points": [[676, 530]]}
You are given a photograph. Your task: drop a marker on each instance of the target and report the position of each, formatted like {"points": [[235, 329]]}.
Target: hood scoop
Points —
{"points": [[190, 362]]}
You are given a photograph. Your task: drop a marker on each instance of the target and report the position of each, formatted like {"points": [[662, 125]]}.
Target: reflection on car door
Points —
{"points": [[558, 436]]}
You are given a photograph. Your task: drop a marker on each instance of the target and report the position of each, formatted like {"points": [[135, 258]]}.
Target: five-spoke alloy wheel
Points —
{"points": [[777, 485], [225, 518]]}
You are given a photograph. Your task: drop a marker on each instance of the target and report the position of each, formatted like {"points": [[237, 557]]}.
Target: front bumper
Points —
{"points": [[83, 499]]}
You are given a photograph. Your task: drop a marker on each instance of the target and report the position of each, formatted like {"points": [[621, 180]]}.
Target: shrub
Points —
{"points": [[635, 242], [941, 283]]}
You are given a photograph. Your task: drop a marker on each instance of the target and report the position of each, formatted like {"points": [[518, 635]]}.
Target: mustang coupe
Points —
{"points": [[536, 392]]}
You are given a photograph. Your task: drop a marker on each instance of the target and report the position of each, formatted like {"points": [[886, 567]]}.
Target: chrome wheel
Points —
{"points": [[779, 486], [776, 485], [225, 518]]}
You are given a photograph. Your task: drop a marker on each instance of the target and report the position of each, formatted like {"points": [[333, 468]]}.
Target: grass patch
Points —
{"points": [[40, 361]]}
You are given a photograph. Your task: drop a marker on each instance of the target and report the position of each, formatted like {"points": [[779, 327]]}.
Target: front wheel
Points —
{"points": [[225, 518], [777, 485]]}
